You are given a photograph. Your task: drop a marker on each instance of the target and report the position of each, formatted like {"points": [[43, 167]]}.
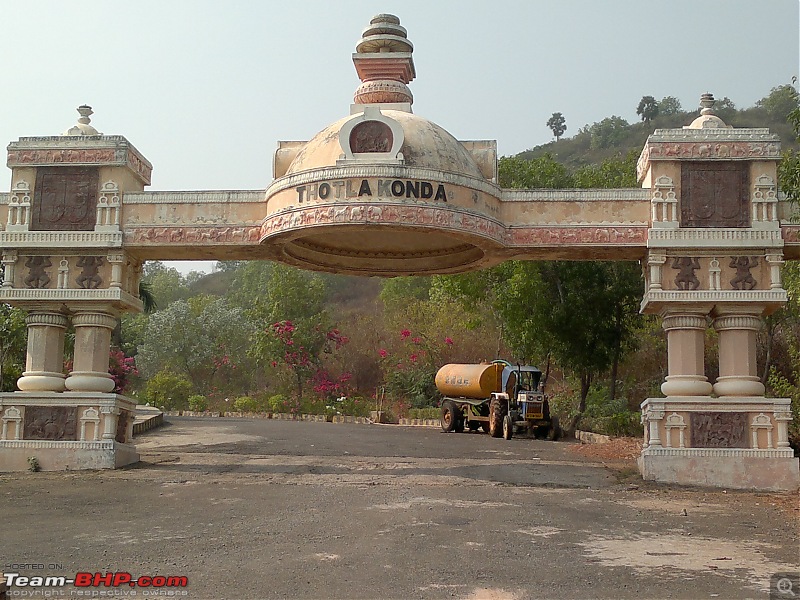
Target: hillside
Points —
{"points": [[613, 136]]}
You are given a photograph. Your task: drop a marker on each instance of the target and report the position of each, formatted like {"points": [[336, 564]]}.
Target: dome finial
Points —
{"points": [[83, 127], [707, 103], [707, 118], [383, 62]]}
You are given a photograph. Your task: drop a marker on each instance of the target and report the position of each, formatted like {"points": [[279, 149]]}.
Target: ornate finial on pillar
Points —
{"points": [[707, 118], [707, 103], [383, 62], [83, 127]]}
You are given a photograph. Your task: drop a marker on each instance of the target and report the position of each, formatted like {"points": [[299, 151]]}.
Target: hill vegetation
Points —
{"points": [[614, 136]]}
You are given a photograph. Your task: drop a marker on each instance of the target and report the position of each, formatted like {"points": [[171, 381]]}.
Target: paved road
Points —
{"points": [[275, 509]]}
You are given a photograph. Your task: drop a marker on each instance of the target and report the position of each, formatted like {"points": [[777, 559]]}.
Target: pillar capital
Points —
{"points": [[46, 319], [684, 320], [94, 319], [739, 321]]}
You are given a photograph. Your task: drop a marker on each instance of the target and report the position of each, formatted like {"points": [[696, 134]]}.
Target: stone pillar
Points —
{"points": [[44, 364], [92, 346], [685, 350], [737, 354]]}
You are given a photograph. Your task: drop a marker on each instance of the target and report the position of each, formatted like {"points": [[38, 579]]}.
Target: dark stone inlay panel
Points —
{"points": [[715, 194], [50, 423], [718, 430], [371, 136], [65, 199], [122, 426]]}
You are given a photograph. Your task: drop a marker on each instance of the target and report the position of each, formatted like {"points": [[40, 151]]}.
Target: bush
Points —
{"points": [[424, 413], [198, 403], [279, 404], [168, 391], [625, 423], [246, 404]]}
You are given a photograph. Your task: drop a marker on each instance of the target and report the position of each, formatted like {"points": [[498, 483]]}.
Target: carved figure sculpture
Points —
{"points": [[686, 279], [744, 280], [89, 279], [37, 277]]}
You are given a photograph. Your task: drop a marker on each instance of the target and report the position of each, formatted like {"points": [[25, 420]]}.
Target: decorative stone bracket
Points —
{"points": [[664, 204], [19, 207], [108, 208], [765, 204]]}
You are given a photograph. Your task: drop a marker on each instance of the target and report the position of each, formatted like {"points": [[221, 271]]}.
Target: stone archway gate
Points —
{"points": [[385, 192]]}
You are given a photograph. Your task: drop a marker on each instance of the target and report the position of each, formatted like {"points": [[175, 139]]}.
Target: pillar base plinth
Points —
{"points": [[686, 385], [66, 431], [732, 468], [89, 381], [737, 442], [41, 381], [739, 386]]}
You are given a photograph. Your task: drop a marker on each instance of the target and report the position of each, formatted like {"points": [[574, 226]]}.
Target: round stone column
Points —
{"points": [[44, 365], [92, 346], [685, 352], [737, 355]]}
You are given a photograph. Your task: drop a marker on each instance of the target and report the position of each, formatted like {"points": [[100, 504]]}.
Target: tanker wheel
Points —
{"points": [[459, 428], [497, 410], [508, 427], [451, 417]]}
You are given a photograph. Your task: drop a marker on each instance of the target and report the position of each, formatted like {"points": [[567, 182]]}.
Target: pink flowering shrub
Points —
{"points": [[121, 368]]}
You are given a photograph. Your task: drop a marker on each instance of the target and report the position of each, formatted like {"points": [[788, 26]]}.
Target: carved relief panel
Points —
{"points": [[723, 272], [62, 272], [715, 194], [65, 199], [50, 423], [719, 430]]}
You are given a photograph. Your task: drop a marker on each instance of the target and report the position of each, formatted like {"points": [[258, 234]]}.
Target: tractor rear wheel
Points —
{"points": [[451, 416], [497, 410]]}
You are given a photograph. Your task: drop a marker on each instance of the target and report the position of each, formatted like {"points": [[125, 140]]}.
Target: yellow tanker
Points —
{"points": [[496, 397], [470, 381]]}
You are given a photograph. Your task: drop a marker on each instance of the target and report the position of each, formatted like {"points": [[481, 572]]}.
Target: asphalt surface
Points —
{"points": [[276, 509]]}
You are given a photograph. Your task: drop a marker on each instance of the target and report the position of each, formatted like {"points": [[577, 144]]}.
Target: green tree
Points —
{"points": [[541, 172], [615, 172], [166, 284], [13, 338], [557, 124], [202, 339], [725, 109], [292, 324], [789, 168], [647, 109], [669, 105], [608, 132], [781, 101]]}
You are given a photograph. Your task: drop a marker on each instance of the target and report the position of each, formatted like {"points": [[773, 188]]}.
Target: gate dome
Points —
{"points": [[425, 145]]}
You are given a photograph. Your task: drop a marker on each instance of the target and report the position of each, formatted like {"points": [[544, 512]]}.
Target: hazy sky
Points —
{"points": [[205, 89]]}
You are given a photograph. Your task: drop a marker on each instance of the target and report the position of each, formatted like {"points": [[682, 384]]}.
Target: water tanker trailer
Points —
{"points": [[495, 397]]}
